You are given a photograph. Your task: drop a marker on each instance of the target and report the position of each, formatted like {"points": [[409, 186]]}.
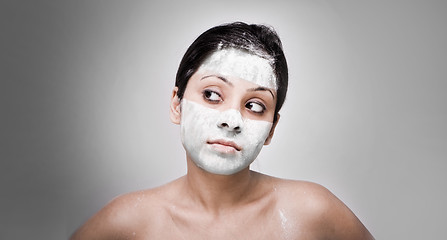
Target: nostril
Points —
{"points": [[228, 127]]}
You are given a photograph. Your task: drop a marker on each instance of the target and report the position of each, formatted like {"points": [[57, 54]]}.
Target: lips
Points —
{"points": [[225, 143]]}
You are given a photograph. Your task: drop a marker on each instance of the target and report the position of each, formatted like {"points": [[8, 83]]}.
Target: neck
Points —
{"points": [[216, 193]]}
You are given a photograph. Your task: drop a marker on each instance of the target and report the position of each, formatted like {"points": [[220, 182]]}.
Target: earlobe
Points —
{"points": [[272, 131], [174, 110]]}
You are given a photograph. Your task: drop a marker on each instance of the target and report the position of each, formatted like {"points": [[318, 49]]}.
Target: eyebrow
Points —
{"points": [[262, 89], [219, 77], [231, 84]]}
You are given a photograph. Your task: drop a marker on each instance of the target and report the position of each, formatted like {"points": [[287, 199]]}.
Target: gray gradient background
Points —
{"points": [[85, 89]]}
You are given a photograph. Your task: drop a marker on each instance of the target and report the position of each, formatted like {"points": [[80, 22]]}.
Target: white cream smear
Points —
{"points": [[205, 139], [284, 224], [201, 125], [241, 64]]}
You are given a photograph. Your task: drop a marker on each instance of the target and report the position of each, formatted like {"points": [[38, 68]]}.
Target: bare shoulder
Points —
{"points": [[314, 196], [126, 215], [314, 206]]}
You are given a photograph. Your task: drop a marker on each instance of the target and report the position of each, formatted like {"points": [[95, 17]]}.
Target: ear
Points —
{"points": [[174, 110], [269, 138]]}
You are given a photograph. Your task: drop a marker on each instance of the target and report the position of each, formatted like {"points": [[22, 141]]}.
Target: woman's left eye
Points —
{"points": [[255, 107]]}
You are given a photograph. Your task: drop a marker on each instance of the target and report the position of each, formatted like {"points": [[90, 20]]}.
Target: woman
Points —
{"points": [[230, 86]]}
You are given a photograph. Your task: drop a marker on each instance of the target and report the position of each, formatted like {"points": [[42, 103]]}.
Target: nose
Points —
{"points": [[230, 120]]}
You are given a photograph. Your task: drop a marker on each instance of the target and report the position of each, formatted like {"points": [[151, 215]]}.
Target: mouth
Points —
{"points": [[225, 144]]}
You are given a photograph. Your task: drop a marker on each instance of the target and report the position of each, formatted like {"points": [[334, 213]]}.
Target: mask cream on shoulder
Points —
{"points": [[241, 64]]}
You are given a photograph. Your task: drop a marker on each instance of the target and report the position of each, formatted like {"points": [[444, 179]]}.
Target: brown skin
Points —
{"points": [[245, 205], [174, 211]]}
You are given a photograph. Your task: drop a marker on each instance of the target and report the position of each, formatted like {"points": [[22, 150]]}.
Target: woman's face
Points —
{"points": [[227, 111]]}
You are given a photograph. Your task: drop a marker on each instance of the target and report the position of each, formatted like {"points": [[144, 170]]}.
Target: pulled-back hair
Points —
{"points": [[256, 39]]}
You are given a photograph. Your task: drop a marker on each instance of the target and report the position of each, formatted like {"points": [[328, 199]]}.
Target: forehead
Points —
{"points": [[233, 62]]}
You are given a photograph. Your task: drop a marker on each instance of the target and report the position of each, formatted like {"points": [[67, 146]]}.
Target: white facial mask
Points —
{"points": [[237, 63], [202, 126]]}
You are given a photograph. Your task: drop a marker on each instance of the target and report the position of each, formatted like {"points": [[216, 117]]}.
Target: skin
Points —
{"points": [[244, 205]]}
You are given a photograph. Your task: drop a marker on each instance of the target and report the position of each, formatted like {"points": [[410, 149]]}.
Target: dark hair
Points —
{"points": [[250, 37]]}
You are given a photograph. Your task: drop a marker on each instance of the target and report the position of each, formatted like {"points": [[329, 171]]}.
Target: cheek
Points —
{"points": [[257, 132], [196, 121]]}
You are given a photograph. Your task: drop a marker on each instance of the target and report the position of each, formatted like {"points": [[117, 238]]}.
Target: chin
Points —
{"points": [[221, 165]]}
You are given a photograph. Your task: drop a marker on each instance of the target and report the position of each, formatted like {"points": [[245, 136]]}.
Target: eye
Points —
{"points": [[255, 107], [211, 96]]}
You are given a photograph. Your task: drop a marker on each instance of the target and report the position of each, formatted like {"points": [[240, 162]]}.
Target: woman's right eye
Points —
{"points": [[211, 96]]}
